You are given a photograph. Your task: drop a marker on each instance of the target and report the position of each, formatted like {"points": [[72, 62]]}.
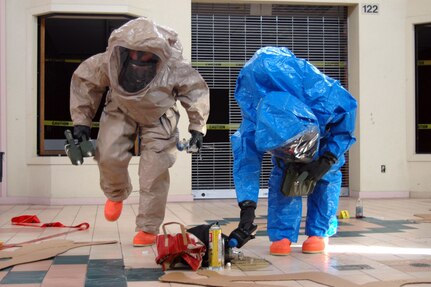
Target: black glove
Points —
{"points": [[196, 140], [79, 132], [317, 169], [247, 214], [243, 233]]}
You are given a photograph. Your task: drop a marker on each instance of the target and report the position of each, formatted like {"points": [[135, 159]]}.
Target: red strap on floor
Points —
{"points": [[30, 220]]}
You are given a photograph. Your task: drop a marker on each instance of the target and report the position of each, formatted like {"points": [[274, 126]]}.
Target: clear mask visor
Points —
{"points": [[137, 69], [300, 148]]}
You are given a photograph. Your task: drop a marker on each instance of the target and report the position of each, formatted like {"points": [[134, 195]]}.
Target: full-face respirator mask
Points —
{"points": [[137, 69]]}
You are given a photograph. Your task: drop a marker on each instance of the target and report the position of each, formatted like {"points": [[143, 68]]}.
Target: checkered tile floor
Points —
{"points": [[390, 243]]}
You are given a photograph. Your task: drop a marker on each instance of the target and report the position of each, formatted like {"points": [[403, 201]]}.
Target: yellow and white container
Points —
{"points": [[216, 248]]}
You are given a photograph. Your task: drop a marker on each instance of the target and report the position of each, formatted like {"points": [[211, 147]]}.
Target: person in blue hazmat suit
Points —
{"points": [[306, 120]]}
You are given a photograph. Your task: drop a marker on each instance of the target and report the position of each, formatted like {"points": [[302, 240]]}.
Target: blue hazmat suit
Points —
{"points": [[281, 96]]}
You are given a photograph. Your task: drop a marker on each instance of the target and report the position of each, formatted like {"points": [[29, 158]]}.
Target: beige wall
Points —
{"points": [[381, 77], [381, 92], [2, 91]]}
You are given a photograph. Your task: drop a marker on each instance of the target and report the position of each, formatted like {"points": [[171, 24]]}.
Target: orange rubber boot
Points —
{"points": [[314, 244], [143, 238], [281, 247], [113, 210]]}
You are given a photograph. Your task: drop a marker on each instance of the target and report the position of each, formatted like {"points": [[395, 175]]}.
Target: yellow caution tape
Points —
{"points": [[424, 126], [344, 214], [239, 64], [424, 63], [58, 123], [96, 125], [65, 124], [222, 126], [217, 64], [64, 60]]}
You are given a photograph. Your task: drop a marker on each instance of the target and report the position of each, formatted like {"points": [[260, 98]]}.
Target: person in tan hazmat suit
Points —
{"points": [[145, 73]]}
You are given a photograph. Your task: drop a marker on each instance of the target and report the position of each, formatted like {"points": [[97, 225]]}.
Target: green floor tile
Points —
{"points": [[144, 274], [71, 259], [23, 277]]}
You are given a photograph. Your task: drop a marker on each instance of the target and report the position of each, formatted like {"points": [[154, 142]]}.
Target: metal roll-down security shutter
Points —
{"points": [[224, 37]]}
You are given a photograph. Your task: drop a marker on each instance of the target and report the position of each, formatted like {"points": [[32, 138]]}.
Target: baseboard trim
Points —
{"points": [[379, 194], [81, 200], [420, 194], [134, 199]]}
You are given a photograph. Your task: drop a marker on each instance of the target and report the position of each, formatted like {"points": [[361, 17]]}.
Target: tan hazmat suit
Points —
{"points": [[150, 113]]}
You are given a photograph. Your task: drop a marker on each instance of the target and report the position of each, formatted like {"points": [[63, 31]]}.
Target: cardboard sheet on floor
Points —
{"points": [[212, 278], [425, 217], [38, 251]]}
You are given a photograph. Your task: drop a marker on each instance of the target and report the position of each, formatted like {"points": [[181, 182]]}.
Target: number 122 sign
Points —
{"points": [[370, 9]]}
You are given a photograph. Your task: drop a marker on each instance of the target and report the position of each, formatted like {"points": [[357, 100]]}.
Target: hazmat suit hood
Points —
{"points": [[286, 127], [143, 35], [140, 45], [277, 69]]}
